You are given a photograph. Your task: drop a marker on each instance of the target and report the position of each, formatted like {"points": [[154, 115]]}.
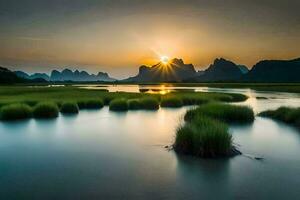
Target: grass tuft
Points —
{"points": [[284, 114], [45, 110], [193, 100], [149, 103], [233, 97], [15, 112], [69, 108], [205, 137], [224, 112], [134, 104], [90, 104], [173, 102], [118, 105]]}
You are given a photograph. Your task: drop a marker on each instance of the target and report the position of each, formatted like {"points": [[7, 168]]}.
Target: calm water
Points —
{"points": [[106, 155]]}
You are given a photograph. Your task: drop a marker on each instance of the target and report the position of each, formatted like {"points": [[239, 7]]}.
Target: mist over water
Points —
{"points": [[101, 154]]}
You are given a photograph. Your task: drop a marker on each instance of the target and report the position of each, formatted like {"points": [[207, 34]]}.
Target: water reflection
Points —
{"points": [[191, 171], [202, 168], [266, 100], [99, 154]]}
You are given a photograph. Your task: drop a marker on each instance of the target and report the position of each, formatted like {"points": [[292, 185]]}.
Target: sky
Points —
{"points": [[117, 36]]}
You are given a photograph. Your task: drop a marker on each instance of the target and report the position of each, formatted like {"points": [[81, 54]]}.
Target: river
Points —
{"points": [[100, 154]]}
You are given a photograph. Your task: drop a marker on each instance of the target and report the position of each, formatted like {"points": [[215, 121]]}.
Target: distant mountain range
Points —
{"points": [[24, 75], [175, 71], [67, 75], [9, 77], [279, 71], [221, 70], [79, 76], [274, 71]]}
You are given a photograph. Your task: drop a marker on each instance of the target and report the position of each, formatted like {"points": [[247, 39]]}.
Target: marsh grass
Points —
{"points": [[30, 102], [149, 103], [285, 114], [194, 100], [205, 137], [90, 104], [107, 99], [34, 95], [69, 108], [233, 97], [118, 105], [45, 110], [223, 112], [15, 112], [134, 104], [173, 102]]}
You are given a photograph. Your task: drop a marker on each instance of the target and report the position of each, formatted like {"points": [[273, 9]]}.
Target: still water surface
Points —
{"points": [[106, 155]]}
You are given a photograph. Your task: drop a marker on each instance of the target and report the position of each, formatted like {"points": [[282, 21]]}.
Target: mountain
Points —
{"points": [[7, 76], [66, 75], [200, 72], [24, 75], [274, 71], [174, 71], [80, 76], [220, 70], [243, 69], [40, 76]]}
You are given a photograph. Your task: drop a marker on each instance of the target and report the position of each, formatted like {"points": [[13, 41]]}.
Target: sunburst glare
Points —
{"points": [[164, 59]]}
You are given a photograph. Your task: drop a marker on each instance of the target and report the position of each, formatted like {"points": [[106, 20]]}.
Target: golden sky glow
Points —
{"points": [[118, 36]]}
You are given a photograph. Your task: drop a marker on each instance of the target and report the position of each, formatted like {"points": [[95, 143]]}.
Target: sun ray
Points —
{"points": [[164, 60]]}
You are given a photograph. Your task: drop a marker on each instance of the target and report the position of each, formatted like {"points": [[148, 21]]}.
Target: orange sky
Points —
{"points": [[118, 37]]}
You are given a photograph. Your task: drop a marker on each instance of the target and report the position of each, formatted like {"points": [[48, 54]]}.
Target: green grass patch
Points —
{"points": [[90, 104], [108, 99], [15, 112], [30, 102], [69, 108], [33, 95], [134, 104], [194, 100], [173, 102], [205, 137], [284, 114], [205, 132], [233, 97], [118, 105], [149, 103], [45, 110], [224, 112]]}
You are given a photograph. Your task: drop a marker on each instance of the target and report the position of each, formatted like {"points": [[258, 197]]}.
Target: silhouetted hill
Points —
{"points": [[175, 71], [274, 71], [220, 70], [24, 75], [9, 77], [79, 76]]}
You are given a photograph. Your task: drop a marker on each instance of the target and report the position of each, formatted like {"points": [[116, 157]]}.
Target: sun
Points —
{"points": [[164, 60]]}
